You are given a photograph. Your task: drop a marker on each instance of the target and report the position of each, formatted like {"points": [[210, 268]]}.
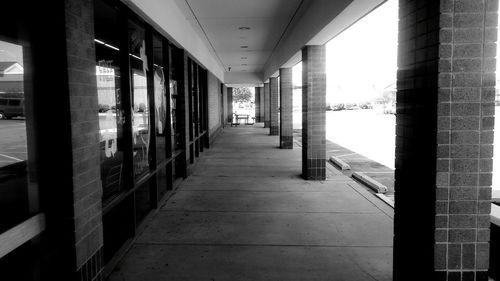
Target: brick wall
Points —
{"points": [[286, 108], [313, 112], [214, 122], [445, 108], [87, 188]]}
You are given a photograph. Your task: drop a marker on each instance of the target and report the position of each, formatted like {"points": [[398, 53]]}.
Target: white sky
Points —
{"points": [[362, 60]]}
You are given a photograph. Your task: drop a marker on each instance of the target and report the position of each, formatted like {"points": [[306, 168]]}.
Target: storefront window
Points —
{"points": [[18, 187], [140, 111], [160, 94], [196, 107], [111, 119], [175, 132]]}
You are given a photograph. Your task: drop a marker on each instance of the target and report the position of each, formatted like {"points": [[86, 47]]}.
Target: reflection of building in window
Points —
{"points": [[11, 77], [140, 113], [18, 181], [105, 85], [107, 100]]}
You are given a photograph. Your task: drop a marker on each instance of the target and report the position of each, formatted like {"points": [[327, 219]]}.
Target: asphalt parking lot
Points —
{"points": [[13, 146]]}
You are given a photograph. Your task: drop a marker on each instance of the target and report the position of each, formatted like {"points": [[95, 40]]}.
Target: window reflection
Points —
{"points": [[140, 113], [160, 96], [111, 119], [175, 132], [18, 193]]}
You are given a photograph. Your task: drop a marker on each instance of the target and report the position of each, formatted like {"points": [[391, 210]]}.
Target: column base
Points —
{"points": [[267, 124], [274, 130], [315, 169], [286, 142], [313, 178]]}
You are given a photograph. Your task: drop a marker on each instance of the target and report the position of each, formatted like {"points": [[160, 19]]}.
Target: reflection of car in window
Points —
{"points": [[11, 107]]}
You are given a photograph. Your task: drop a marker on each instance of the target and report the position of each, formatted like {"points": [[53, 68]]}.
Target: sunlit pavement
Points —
{"points": [[368, 132], [246, 214], [13, 141], [365, 139]]}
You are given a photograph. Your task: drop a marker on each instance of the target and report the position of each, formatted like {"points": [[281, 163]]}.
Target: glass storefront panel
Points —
{"points": [[111, 115], [143, 201], [163, 180], [175, 132], [196, 101], [18, 186], [160, 94], [140, 113]]}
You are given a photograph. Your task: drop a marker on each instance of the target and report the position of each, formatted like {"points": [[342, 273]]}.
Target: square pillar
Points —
{"points": [[225, 113], [257, 104], [230, 110], [261, 101], [267, 106], [273, 118], [444, 139], [313, 113], [286, 108]]}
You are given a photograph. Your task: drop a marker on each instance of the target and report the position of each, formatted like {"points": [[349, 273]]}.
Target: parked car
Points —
{"points": [[390, 108], [11, 107], [338, 107], [366, 105], [351, 106]]}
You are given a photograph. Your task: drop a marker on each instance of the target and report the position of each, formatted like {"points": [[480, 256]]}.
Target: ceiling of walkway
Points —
{"points": [[230, 25]]}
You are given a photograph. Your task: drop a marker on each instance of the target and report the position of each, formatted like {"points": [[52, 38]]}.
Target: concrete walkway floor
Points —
{"points": [[246, 214]]}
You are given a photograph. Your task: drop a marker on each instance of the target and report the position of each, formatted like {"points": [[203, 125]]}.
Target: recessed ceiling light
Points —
{"points": [[244, 64], [244, 28], [244, 58], [244, 47]]}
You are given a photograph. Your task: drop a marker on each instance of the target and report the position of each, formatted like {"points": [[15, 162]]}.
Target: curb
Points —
{"points": [[340, 163], [371, 183], [386, 199]]}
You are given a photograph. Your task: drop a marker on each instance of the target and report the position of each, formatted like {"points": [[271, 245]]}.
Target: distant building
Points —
{"points": [[11, 77]]}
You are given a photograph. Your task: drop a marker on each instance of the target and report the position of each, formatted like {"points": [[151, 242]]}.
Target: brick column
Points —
{"points": [[445, 117], [225, 104], [313, 113], [87, 189], [257, 104], [274, 128], [230, 109], [286, 108], [267, 106], [261, 100]]}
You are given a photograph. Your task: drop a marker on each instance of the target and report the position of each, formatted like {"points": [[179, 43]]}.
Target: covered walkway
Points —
{"points": [[246, 214]]}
